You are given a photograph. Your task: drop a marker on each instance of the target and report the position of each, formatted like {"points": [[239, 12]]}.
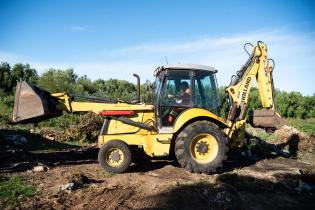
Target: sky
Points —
{"points": [[113, 39]]}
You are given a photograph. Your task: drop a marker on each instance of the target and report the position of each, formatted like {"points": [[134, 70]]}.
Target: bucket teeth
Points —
{"points": [[32, 104], [266, 118]]}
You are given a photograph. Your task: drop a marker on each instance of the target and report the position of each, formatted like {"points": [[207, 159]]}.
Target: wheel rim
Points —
{"points": [[204, 148], [114, 157]]}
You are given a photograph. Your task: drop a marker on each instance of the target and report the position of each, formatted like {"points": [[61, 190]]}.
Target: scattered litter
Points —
{"points": [[78, 179], [69, 186], [153, 174], [39, 168], [75, 181], [111, 186]]}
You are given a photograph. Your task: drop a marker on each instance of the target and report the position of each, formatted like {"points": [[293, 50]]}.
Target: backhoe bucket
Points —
{"points": [[32, 104], [265, 118]]}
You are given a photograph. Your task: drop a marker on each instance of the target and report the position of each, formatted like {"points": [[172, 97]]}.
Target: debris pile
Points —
{"points": [[86, 130]]}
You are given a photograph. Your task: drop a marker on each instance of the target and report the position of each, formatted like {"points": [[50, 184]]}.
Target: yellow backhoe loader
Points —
{"points": [[182, 121]]}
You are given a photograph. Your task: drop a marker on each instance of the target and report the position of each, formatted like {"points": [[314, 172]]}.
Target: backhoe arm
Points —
{"points": [[266, 87], [257, 67]]}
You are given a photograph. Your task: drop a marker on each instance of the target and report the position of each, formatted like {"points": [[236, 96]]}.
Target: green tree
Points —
{"points": [[289, 104], [24, 72], [147, 95], [115, 89], [225, 105], [292, 104], [254, 101], [309, 106], [85, 86], [6, 83], [8, 76], [56, 80]]}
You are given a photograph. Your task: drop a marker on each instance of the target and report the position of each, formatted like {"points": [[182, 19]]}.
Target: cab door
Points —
{"points": [[175, 96]]}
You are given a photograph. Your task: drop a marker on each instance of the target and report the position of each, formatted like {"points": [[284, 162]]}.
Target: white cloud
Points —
{"points": [[293, 54], [202, 44], [10, 57], [116, 70], [77, 28]]}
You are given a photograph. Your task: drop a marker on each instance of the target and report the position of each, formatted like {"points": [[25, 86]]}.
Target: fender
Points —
{"points": [[194, 113]]}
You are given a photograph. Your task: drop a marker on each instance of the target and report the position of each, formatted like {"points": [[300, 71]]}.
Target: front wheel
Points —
{"points": [[201, 147], [114, 156]]}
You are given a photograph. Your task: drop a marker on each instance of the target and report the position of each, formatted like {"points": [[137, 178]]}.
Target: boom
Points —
{"points": [[260, 68]]}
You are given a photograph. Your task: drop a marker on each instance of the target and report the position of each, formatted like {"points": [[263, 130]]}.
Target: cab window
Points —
{"points": [[206, 92]]}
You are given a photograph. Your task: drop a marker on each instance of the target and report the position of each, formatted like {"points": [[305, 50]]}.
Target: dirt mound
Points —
{"points": [[293, 136], [285, 142]]}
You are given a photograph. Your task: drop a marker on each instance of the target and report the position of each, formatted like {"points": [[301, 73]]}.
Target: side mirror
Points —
{"points": [[148, 85]]}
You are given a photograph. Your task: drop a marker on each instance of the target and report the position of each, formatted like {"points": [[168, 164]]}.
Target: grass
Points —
{"points": [[104, 174], [260, 133], [269, 137], [305, 125], [77, 143], [204, 182], [14, 190]]}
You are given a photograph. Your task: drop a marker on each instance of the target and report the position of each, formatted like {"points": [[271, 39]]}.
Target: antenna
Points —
{"points": [[166, 60]]}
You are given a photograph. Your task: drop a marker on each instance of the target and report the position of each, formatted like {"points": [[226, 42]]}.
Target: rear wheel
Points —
{"points": [[201, 147], [114, 156]]}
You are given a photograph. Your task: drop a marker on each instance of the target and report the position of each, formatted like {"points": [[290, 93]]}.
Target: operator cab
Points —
{"points": [[182, 87]]}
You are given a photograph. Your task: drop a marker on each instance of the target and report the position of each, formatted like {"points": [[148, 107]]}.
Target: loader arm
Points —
{"points": [[67, 104], [33, 104], [257, 67]]}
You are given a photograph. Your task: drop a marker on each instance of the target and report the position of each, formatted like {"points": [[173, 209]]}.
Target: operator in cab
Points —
{"points": [[184, 99]]}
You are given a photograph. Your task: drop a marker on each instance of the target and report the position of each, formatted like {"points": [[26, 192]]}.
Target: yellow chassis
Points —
{"points": [[153, 143]]}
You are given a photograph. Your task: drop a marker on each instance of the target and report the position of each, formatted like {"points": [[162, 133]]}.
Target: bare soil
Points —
{"points": [[263, 181]]}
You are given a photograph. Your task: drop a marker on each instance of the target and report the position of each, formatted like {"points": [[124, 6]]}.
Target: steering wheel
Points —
{"points": [[171, 100]]}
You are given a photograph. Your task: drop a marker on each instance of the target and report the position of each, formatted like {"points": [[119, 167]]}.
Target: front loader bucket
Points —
{"points": [[32, 104], [265, 118]]}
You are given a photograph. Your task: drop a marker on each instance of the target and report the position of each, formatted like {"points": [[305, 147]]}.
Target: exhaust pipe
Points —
{"points": [[137, 100], [32, 104]]}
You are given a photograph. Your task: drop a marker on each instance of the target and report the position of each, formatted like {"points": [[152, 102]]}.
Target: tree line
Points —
{"points": [[289, 104]]}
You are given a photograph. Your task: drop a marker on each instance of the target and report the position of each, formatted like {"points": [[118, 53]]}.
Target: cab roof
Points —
{"points": [[189, 67], [195, 67]]}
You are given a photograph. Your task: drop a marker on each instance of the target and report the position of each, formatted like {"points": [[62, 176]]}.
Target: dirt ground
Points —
{"points": [[246, 181]]}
